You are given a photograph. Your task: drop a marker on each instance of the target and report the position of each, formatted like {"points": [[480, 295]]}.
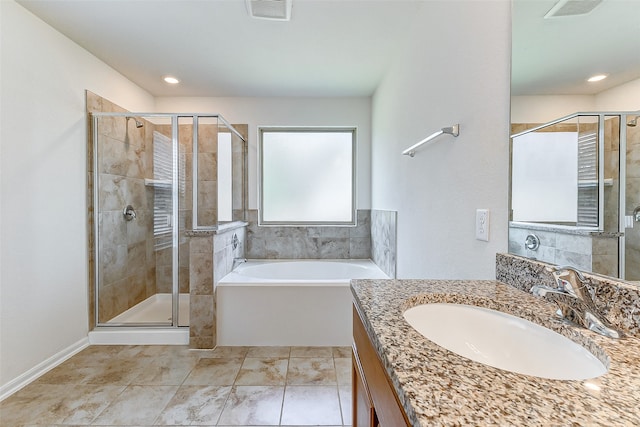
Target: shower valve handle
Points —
{"points": [[129, 213]]}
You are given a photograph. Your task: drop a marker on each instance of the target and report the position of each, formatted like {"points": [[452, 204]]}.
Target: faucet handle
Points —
{"points": [[571, 281], [566, 268]]}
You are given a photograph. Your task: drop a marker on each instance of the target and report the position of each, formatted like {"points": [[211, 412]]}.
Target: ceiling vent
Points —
{"points": [[277, 10], [572, 8]]}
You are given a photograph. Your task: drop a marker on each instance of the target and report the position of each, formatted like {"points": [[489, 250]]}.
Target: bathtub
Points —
{"points": [[289, 302]]}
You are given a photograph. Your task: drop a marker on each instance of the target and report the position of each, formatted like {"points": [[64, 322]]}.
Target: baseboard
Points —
{"points": [[40, 369]]}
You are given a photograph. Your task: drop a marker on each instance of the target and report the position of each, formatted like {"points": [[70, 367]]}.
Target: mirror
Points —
{"points": [[554, 174], [584, 220]]}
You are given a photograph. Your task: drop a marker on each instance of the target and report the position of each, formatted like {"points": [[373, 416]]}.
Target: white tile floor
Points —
{"points": [[172, 385]]}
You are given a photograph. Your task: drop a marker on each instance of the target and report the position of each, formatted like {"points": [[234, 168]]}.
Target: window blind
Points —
{"points": [[588, 179], [162, 194]]}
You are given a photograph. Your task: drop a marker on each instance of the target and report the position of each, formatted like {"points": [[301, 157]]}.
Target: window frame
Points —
{"points": [[352, 222]]}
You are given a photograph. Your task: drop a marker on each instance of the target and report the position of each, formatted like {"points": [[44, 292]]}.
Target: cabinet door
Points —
{"points": [[379, 387], [363, 411]]}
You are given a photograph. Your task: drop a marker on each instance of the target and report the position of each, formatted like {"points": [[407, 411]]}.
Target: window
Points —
{"points": [[307, 176]]}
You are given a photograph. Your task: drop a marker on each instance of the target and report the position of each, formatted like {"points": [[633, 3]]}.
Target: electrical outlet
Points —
{"points": [[482, 224]]}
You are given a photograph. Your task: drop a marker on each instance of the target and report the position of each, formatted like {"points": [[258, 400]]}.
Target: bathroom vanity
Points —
{"points": [[401, 378]]}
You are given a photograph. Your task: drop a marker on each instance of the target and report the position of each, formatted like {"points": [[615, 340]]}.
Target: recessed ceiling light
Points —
{"points": [[275, 10], [597, 77], [171, 80]]}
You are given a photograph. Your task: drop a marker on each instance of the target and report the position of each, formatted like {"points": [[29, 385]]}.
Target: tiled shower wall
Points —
{"points": [[131, 268], [632, 244], [127, 271]]}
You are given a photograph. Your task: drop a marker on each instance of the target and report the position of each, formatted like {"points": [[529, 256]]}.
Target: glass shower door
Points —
{"points": [[134, 198]]}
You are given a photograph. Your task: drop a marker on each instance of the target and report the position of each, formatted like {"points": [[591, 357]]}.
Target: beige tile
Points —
{"points": [[253, 405], [115, 372], [31, 404], [165, 371], [230, 352], [311, 370], [263, 371], [268, 351], [195, 405], [139, 386], [343, 370], [311, 352], [214, 371], [81, 404], [341, 351], [164, 351], [69, 372], [311, 405], [137, 405]]}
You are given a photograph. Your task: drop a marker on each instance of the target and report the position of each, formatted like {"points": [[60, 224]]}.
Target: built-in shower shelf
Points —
{"points": [[157, 182]]}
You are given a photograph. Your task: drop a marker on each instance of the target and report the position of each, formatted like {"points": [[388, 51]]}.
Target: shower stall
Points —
{"points": [[155, 179], [575, 192]]}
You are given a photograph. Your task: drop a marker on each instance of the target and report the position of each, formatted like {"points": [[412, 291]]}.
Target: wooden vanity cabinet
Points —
{"points": [[373, 398]]}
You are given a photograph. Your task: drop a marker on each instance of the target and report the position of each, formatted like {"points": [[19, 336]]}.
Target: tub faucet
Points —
{"points": [[575, 300], [237, 262]]}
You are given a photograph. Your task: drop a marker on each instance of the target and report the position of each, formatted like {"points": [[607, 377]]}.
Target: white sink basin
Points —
{"points": [[504, 341]]}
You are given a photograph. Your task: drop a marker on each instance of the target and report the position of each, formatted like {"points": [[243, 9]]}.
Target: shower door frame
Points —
{"points": [[175, 120], [175, 211]]}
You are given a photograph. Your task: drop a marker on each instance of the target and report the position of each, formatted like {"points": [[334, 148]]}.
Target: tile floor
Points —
{"points": [[172, 385]]}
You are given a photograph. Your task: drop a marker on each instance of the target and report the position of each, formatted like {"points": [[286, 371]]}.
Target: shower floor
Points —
{"points": [[155, 309]]}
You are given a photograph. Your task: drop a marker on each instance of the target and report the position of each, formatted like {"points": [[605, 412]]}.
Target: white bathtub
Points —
{"points": [[289, 302]]}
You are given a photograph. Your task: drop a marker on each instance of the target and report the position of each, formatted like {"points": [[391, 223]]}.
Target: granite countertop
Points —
{"points": [[438, 387]]}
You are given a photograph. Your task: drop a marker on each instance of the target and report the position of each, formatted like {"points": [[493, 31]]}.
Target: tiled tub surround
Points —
{"points": [[619, 301], [383, 240], [438, 387], [586, 250], [211, 255], [273, 242]]}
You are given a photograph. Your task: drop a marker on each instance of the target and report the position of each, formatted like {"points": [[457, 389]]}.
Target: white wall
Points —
{"points": [[625, 97], [455, 70], [544, 108], [43, 306], [289, 112]]}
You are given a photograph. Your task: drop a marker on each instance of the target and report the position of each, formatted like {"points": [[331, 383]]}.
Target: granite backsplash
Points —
{"points": [[619, 301]]}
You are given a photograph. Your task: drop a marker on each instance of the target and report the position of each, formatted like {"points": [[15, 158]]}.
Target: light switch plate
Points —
{"points": [[482, 224]]}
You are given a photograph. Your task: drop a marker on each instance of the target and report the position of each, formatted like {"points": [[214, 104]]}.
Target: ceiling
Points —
{"points": [[330, 47], [555, 56]]}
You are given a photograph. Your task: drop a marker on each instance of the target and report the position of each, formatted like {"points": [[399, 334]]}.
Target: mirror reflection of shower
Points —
{"points": [[602, 208]]}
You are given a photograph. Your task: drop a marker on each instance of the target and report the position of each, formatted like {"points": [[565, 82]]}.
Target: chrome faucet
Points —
{"points": [[575, 300]]}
